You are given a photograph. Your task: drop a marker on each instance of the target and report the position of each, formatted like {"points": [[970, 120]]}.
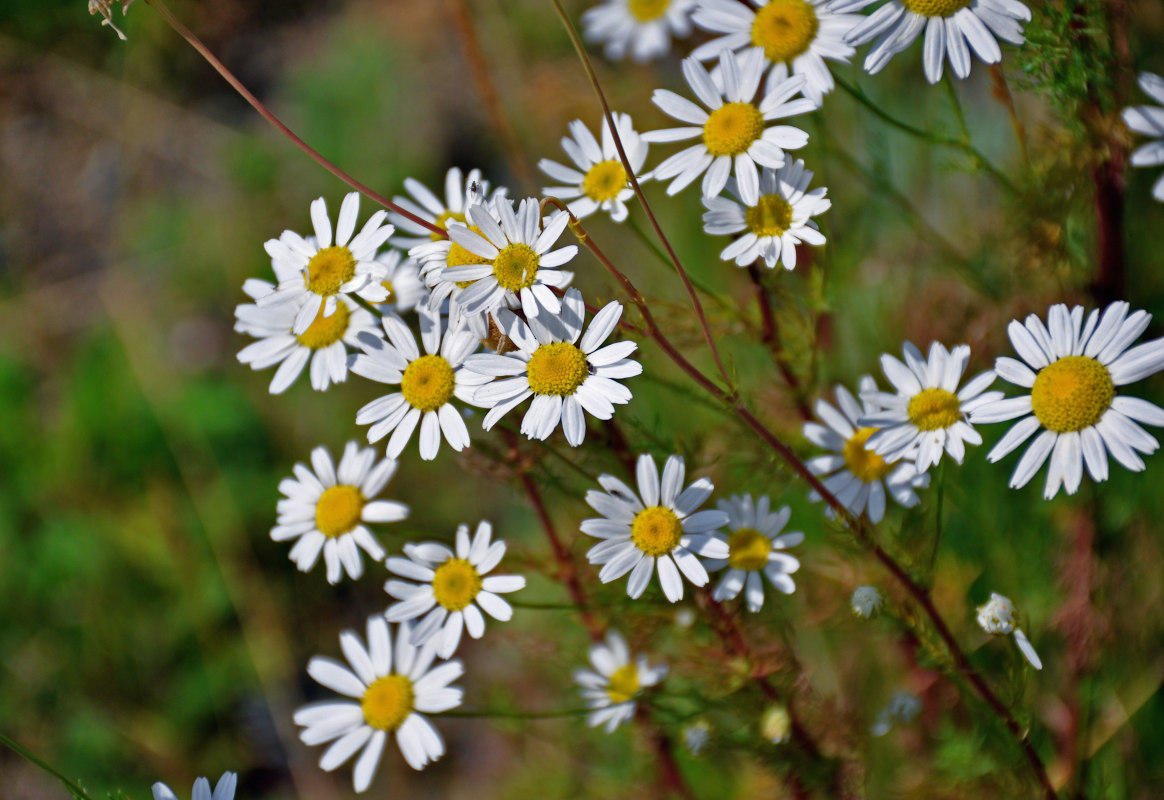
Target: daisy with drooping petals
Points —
{"points": [[565, 376], [602, 182], [399, 277], [659, 526], [775, 223], [857, 476], [611, 687], [452, 588], [326, 509], [952, 29], [755, 543], [1149, 120], [926, 417], [390, 690], [428, 383], [461, 191], [796, 36], [735, 132], [313, 272], [223, 790], [1072, 369], [996, 616], [642, 28]]}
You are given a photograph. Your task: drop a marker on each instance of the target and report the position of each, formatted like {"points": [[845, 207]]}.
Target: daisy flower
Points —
{"points": [[1072, 369], [857, 476], [642, 28], [324, 344], [428, 383], [732, 132], [223, 790], [563, 374], [460, 192], [926, 416], [386, 690], [399, 277], [313, 272], [602, 182], [754, 546], [996, 616], [662, 528], [451, 589], [617, 679], [865, 601], [1149, 120], [325, 509], [950, 25], [436, 256], [775, 223], [796, 36]]}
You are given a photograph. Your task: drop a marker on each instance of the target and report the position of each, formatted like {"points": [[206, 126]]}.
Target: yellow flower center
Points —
{"points": [[325, 331], [604, 181], [442, 222], [785, 29], [390, 289], [656, 530], [865, 464], [749, 549], [935, 8], [557, 368], [459, 256], [516, 267], [647, 10], [731, 129], [338, 510], [771, 216], [428, 383], [932, 409], [329, 269], [455, 584], [623, 684], [388, 702], [1072, 394]]}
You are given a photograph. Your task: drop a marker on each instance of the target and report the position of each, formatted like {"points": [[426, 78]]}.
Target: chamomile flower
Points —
{"points": [[659, 526], [1072, 369], [428, 383], [773, 225], [1149, 120], [640, 28], [437, 256], [314, 272], [735, 132], [866, 601], [451, 588], [796, 36], [926, 417], [996, 616], [618, 678], [399, 277], [460, 192], [223, 790], [564, 375], [857, 476], [602, 182], [325, 508], [755, 543], [387, 690], [949, 25]]}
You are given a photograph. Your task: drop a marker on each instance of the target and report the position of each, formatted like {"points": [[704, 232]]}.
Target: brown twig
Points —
{"points": [[670, 778], [770, 338]]}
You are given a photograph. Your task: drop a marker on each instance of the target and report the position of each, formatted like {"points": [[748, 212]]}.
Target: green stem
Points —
{"points": [[73, 788]]}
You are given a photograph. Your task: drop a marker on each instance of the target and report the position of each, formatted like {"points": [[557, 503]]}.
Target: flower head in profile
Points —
{"points": [[618, 678], [641, 29], [997, 616], [865, 601], [1072, 369], [325, 509], [659, 526], [599, 181], [755, 547], [1149, 120], [461, 191], [223, 790]]}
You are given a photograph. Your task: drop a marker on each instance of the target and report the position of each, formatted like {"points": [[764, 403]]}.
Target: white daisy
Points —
{"points": [[775, 223], [617, 679], [428, 383], [926, 416], [325, 510], [865, 601], [452, 588], [460, 192], [996, 616], [391, 689], [732, 132], [602, 182], [663, 528], [796, 36], [950, 25], [1072, 369], [223, 790], [399, 277], [1149, 120], [313, 272], [642, 28], [857, 476], [564, 375], [754, 544]]}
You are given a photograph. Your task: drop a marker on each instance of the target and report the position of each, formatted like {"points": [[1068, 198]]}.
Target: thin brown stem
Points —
{"points": [[1001, 90], [670, 778], [770, 338]]}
